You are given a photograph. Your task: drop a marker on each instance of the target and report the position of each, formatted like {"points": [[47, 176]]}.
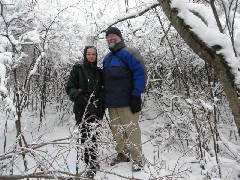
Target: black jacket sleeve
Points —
{"points": [[72, 85]]}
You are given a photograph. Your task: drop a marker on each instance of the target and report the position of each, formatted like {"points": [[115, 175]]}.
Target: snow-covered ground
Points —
{"points": [[166, 156]]}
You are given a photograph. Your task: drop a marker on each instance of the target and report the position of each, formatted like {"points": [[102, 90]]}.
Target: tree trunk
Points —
{"points": [[209, 55]]}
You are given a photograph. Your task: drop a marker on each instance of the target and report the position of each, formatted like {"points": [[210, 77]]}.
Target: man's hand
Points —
{"points": [[136, 104]]}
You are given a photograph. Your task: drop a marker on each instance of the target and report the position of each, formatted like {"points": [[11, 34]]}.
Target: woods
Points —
{"points": [[191, 106], [209, 54]]}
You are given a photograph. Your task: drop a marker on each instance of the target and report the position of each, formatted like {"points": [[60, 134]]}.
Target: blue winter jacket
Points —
{"points": [[124, 74]]}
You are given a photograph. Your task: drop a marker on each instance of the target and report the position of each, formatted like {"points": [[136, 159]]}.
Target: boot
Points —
{"points": [[137, 165], [90, 174], [92, 171], [120, 158]]}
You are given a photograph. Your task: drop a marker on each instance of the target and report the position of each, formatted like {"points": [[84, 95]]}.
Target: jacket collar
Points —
{"points": [[87, 64]]}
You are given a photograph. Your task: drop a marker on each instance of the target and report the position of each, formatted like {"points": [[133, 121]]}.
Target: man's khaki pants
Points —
{"points": [[126, 131]]}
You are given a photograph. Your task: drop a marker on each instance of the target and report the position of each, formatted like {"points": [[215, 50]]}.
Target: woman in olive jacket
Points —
{"points": [[85, 88]]}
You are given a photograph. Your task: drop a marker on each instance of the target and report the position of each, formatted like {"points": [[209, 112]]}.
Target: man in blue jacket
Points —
{"points": [[125, 79]]}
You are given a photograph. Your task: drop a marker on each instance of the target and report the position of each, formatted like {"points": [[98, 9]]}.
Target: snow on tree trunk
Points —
{"points": [[208, 54]]}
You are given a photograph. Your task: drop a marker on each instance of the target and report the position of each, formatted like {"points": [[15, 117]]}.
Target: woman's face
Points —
{"points": [[91, 54]]}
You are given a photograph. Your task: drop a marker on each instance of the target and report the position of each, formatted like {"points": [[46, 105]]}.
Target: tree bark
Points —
{"points": [[209, 55]]}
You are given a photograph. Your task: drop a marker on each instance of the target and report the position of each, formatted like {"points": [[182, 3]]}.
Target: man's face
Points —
{"points": [[112, 40]]}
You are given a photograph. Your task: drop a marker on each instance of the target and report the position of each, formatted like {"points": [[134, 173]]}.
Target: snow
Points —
{"points": [[6, 58], [209, 33], [32, 36], [206, 106], [161, 161], [165, 155], [33, 71], [2, 77]]}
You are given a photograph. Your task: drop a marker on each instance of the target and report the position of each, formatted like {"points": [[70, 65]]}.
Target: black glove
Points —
{"points": [[135, 104], [81, 98]]}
